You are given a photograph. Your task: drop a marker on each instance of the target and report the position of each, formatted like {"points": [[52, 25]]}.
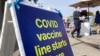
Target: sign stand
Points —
{"points": [[10, 33], [8, 38]]}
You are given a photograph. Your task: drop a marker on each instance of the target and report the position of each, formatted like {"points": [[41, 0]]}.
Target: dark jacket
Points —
{"points": [[97, 18], [76, 15]]}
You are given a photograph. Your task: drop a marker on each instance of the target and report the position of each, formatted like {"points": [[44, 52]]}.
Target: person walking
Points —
{"points": [[97, 21], [68, 22], [77, 23]]}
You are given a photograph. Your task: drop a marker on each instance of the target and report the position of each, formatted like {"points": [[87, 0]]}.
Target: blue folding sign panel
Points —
{"points": [[42, 32]]}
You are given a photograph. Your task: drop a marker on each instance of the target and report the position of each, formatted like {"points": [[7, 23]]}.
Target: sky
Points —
{"points": [[63, 6]]}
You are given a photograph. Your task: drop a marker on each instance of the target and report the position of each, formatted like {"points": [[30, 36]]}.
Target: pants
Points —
{"points": [[98, 28], [77, 28]]}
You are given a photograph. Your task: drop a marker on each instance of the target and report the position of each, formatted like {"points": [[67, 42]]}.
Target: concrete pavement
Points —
{"points": [[85, 46]]}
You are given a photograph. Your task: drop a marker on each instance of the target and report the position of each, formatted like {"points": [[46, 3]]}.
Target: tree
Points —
{"points": [[90, 13]]}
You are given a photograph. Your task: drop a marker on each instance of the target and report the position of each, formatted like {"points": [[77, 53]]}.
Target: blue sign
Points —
{"points": [[42, 32]]}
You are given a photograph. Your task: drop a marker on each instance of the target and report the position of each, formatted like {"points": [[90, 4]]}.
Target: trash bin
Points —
{"points": [[85, 29]]}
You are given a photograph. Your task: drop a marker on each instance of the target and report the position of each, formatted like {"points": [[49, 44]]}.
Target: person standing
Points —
{"points": [[68, 22], [97, 21], [77, 23]]}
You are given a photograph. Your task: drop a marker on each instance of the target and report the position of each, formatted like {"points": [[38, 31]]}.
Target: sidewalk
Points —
{"points": [[85, 46]]}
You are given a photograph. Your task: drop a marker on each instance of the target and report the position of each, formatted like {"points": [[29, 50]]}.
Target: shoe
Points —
{"points": [[79, 36]]}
